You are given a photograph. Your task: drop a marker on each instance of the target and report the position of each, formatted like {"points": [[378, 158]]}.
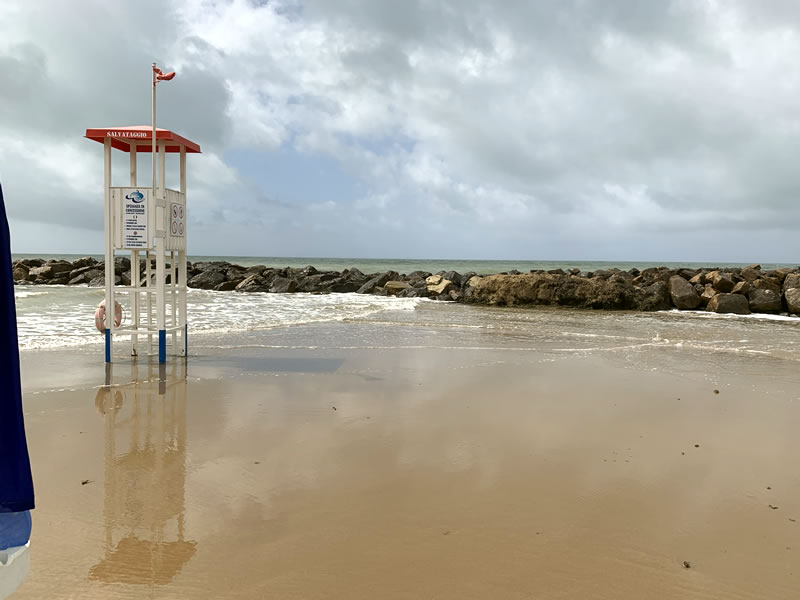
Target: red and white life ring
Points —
{"points": [[100, 316]]}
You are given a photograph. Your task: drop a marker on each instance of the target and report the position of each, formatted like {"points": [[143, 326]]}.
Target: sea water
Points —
{"points": [[57, 317], [408, 265]]}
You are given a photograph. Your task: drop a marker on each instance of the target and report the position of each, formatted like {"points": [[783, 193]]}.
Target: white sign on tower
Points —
{"points": [[177, 221], [134, 218]]}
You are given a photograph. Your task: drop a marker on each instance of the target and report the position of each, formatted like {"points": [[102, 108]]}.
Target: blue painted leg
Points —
{"points": [[162, 346], [108, 345]]}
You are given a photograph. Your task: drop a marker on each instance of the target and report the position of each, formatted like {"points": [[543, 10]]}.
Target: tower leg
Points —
{"points": [[162, 346]]}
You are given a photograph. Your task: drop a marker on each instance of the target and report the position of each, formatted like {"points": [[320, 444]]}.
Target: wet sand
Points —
{"points": [[412, 474]]}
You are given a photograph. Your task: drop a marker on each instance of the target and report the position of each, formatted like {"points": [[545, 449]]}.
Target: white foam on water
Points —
{"points": [[704, 314], [58, 317], [18, 293]]}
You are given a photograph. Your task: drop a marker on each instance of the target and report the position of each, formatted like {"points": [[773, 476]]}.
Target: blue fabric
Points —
{"points": [[15, 529], [16, 483]]}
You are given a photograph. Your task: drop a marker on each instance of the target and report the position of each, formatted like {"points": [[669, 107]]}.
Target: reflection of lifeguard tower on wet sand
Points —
{"points": [[145, 477], [151, 223]]}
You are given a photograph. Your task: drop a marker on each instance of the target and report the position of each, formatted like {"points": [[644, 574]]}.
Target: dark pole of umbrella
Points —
{"points": [[16, 483]]}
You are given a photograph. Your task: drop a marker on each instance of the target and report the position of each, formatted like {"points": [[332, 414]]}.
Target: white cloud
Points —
{"points": [[522, 128]]}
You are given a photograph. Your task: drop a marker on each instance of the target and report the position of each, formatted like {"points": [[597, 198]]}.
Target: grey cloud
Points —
{"points": [[580, 124]]}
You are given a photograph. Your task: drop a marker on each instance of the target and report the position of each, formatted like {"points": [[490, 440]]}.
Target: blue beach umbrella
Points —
{"points": [[16, 483]]}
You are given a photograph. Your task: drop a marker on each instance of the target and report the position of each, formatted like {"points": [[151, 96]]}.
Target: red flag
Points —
{"points": [[161, 76]]}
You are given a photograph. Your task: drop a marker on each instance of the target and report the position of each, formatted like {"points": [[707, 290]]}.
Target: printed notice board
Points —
{"points": [[177, 219], [134, 218]]}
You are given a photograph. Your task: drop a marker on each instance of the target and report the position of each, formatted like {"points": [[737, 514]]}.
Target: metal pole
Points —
{"points": [[134, 267], [158, 201], [182, 271], [161, 276], [154, 131], [153, 209], [109, 250]]}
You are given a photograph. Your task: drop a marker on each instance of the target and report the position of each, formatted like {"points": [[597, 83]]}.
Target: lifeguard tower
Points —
{"points": [[150, 223]]}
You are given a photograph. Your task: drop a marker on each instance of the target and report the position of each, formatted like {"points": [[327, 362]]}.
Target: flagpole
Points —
{"points": [[152, 219], [154, 131]]}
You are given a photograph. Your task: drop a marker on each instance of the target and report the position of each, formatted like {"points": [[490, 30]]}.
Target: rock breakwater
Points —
{"points": [[737, 290]]}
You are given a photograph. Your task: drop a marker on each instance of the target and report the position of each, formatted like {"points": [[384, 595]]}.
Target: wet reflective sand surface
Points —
{"points": [[417, 474]]}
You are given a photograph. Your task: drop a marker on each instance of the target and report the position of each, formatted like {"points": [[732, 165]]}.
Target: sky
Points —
{"points": [[474, 129]]}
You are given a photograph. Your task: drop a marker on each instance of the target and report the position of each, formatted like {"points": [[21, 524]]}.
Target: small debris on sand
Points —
{"points": [[85, 481], [697, 445], [687, 564], [769, 488], [333, 407], [772, 507], [255, 462], [792, 520], [716, 391]]}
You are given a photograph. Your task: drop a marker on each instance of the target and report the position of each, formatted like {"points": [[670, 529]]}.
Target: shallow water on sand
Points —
{"points": [[445, 451], [53, 317], [407, 473]]}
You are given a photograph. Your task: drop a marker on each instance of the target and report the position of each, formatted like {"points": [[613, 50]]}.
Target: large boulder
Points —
{"points": [[765, 301], [793, 300], [122, 264], [560, 290], [700, 278], [729, 303], [20, 273], [207, 280], [415, 275], [751, 274], [767, 283], [682, 293], [378, 281], [87, 277], [342, 285], [32, 262], [61, 278], [81, 270], [743, 287], [254, 283], [86, 261], [60, 266], [43, 273], [655, 297], [723, 282], [100, 281], [708, 293], [453, 276], [395, 287], [317, 282], [792, 280], [283, 285], [441, 288], [236, 273], [354, 274], [433, 279]]}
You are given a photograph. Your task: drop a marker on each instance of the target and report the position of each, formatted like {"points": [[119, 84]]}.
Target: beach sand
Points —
{"points": [[425, 473]]}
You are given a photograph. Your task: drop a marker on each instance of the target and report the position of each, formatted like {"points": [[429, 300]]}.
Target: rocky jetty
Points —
{"points": [[737, 291]]}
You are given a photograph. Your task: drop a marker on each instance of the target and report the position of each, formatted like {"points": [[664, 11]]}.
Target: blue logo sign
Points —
{"points": [[136, 196]]}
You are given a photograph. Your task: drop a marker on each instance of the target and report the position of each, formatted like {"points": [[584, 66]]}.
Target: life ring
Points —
{"points": [[100, 316]]}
